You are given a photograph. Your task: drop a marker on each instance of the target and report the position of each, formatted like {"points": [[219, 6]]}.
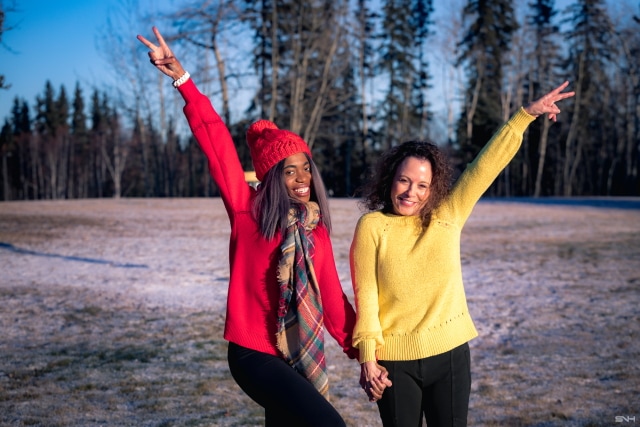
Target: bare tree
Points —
{"points": [[4, 10], [205, 27], [304, 43], [135, 97], [364, 52], [311, 38], [450, 85], [115, 152]]}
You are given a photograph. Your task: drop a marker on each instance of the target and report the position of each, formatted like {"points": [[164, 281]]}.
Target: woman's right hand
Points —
{"points": [[374, 379], [162, 57]]}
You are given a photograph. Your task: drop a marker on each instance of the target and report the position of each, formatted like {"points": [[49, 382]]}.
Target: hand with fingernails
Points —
{"points": [[546, 104], [374, 380], [162, 57]]}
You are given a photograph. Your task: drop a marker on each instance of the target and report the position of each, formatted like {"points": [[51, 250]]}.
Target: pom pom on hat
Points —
{"points": [[269, 145]]}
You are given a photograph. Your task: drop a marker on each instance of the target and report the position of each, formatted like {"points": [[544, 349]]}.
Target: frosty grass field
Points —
{"points": [[112, 311]]}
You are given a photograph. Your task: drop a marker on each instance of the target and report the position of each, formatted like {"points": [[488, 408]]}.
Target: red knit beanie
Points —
{"points": [[268, 145]]}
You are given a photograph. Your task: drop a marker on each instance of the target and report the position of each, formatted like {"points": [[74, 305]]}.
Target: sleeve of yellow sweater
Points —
{"points": [[485, 168], [367, 334]]}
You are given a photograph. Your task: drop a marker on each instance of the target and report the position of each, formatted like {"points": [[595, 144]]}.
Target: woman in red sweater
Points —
{"points": [[284, 288]]}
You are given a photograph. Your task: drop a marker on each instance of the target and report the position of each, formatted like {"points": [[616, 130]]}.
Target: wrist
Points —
{"points": [[529, 112], [181, 80]]}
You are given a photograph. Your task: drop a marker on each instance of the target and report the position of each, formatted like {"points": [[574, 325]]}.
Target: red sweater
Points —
{"points": [[252, 300]]}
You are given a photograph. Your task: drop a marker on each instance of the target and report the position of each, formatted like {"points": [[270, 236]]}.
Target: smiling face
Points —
{"points": [[297, 177], [411, 186]]}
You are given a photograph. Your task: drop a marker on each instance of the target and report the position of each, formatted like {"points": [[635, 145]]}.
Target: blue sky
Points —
{"points": [[51, 40], [55, 41]]}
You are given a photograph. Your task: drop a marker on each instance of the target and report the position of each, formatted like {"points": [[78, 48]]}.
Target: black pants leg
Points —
{"points": [[437, 386], [288, 398]]}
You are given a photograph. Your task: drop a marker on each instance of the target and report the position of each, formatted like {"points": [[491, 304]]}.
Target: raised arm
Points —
{"points": [[207, 127], [498, 152]]}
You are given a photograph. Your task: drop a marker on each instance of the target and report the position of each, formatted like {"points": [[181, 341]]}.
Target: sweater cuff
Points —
{"points": [[521, 120], [367, 351]]}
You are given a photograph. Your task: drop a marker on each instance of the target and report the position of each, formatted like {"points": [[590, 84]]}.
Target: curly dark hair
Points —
{"points": [[377, 192]]}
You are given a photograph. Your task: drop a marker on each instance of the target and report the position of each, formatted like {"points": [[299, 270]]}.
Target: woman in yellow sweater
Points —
{"points": [[411, 309]]}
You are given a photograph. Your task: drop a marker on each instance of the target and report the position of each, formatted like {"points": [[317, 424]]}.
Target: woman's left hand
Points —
{"points": [[547, 104]]}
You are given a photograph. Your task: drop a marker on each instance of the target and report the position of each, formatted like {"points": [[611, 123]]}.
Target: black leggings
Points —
{"points": [[437, 386], [287, 397]]}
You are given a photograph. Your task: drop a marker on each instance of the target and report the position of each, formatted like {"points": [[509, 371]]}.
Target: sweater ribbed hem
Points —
{"points": [[428, 343]]}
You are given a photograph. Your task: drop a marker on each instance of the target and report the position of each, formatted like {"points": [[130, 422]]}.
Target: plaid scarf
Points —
{"points": [[300, 335]]}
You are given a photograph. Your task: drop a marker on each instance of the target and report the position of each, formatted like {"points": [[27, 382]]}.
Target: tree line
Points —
{"points": [[353, 78]]}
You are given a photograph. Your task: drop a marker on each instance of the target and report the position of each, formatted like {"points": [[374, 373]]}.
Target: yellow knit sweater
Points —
{"points": [[410, 299]]}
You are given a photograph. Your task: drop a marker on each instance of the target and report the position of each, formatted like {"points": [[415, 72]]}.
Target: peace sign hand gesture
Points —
{"points": [[162, 57], [546, 104]]}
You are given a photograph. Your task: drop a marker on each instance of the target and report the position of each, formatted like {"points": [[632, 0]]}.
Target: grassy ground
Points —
{"points": [[111, 314]]}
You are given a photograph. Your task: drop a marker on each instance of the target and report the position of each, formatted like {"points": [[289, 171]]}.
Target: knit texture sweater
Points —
{"points": [[253, 295], [407, 279]]}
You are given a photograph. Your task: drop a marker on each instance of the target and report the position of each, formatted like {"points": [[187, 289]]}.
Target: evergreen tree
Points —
{"points": [[623, 156], [544, 63], [421, 21], [63, 156], [404, 109], [260, 17], [484, 51], [62, 111], [590, 50], [338, 136], [80, 148], [52, 116], [22, 136], [631, 176], [7, 148], [46, 117], [98, 134], [364, 37]]}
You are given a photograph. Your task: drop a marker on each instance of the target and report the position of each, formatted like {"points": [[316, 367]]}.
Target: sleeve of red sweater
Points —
{"points": [[339, 316], [216, 143]]}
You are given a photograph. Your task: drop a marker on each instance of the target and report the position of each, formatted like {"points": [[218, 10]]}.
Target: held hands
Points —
{"points": [[373, 380], [546, 104], [162, 57]]}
